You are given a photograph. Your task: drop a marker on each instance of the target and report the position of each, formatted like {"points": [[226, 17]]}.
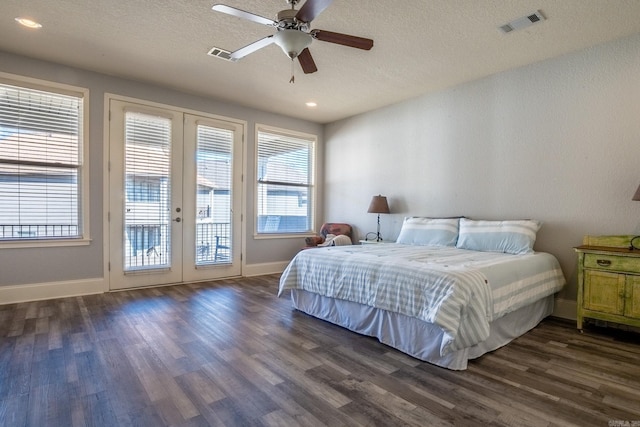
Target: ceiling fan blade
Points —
{"points": [[311, 9], [343, 39], [250, 48], [306, 61], [242, 14]]}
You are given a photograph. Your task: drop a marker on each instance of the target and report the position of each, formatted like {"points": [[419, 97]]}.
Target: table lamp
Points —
{"points": [[378, 205]]}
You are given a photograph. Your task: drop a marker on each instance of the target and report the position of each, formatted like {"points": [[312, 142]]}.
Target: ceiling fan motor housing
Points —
{"points": [[287, 20]]}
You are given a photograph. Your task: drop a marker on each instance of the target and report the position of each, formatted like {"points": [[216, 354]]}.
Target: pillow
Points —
{"points": [[511, 237], [429, 231]]}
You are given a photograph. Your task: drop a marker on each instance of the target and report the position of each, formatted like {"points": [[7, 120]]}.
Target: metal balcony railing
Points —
{"points": [[213, 239], [213, 242], [37, 231]]}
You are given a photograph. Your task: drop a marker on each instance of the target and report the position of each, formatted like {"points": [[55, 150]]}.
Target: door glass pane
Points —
{"points": [[214, 195], [147, 207]]}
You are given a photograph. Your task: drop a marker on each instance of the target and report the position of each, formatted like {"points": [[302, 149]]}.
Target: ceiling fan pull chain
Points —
{"points": [[293, 78]]}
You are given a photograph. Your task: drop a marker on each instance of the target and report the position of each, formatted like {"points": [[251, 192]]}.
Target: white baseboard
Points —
{"points": [[265, 268], [565, 309], [42, 291], [14, 294]]}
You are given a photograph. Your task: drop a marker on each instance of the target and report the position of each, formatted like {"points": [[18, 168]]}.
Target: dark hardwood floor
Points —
{"points": [[231, 353]]}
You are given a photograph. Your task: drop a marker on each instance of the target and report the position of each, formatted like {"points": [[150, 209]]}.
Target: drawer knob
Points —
{"points": [[604, 262]]}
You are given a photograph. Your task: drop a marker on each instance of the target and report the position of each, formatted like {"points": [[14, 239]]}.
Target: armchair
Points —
{"points": [[335, 228]]}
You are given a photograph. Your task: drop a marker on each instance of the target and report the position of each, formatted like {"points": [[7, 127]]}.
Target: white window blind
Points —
{"points": [[285, 182], [214, 159], [147, 212], [40, 164]]}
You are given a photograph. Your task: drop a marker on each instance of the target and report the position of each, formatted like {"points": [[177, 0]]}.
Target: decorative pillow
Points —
{"points": [[339, 240], [511, 237], [429, 231]]}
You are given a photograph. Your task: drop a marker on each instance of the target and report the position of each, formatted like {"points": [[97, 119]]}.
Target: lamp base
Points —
{"points": [[633, 245], [373, 237]]}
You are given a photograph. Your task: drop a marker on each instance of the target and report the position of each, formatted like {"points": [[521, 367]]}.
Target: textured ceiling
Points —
{"points": [[419, 46]]}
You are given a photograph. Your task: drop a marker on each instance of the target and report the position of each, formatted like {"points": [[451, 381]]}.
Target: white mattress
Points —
{"points": [[415, 337]]}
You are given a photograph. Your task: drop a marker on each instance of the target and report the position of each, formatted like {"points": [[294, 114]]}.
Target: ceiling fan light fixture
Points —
{"points": [[292, 42]]}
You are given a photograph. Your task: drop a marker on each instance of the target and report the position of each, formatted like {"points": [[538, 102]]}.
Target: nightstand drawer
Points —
{"points": [[613, 263]]}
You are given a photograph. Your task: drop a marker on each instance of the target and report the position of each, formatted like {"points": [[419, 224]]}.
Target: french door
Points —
{"points": [[175, 196]]}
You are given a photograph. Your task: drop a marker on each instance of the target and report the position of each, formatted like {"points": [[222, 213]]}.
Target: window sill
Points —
{"points": [[15, 244], [266, 236]]}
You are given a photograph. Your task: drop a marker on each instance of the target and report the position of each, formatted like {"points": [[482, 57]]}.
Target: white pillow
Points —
{"points": [[429, 231], [511, 237]]}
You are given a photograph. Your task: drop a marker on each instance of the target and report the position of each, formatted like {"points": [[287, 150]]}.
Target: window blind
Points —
{"points": [[40, 164], [147, 208], [285, 183]]}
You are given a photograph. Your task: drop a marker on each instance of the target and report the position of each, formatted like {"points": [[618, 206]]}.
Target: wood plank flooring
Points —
{"points": [[230, 353]]}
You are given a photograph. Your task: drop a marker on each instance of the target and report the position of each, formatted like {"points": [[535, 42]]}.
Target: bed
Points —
{"points": [[449, 290]]}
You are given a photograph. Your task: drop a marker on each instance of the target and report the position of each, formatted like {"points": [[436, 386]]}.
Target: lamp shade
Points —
{"points": [[637, 195], [378, 205], [292, 42]]}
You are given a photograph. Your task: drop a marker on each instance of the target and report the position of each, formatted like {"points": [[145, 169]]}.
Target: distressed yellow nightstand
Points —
{"points": [[608, 280]]}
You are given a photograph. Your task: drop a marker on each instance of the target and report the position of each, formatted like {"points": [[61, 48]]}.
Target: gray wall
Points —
{"points": [[557, 141], [44, 265]]}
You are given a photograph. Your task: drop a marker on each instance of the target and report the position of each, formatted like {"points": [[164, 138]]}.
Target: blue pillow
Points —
{"points": [[429, 231], [511, 237]]}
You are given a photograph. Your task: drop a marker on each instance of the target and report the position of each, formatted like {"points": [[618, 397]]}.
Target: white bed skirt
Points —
{"points": [[413, 336]]}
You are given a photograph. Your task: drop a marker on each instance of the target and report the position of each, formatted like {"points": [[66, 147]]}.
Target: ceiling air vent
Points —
{"points": [[524, 22], [220, 53]]}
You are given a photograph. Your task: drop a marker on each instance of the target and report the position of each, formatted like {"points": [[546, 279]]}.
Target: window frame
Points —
{"points": [[312, 186], [83, 168]]}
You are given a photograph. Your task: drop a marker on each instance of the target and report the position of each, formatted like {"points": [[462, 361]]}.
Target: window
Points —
{"points": [[41, 162], [285, 178]]}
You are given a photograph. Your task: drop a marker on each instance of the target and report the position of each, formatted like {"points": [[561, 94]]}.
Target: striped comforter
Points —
{"points": [[459, 290]]}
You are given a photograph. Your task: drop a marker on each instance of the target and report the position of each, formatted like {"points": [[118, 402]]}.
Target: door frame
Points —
{"points": [[234, 269], [241, 230], [172, 271]]}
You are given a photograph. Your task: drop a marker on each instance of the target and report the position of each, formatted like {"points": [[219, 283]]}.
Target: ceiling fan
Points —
{"points": [[294, 34]]}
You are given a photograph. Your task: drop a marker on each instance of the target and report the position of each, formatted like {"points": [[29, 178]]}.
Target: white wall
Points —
{"points": [[557, 141]]}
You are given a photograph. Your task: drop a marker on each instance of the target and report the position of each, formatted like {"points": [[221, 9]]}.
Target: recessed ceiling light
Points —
{"points": [[29, 23], [311, 104]]}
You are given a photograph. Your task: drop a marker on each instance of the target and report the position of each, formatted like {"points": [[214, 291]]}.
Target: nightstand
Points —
{"points": [[372, 242], [608, 280]]}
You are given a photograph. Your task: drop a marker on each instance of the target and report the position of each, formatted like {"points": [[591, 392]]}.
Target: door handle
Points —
{"points": [[177, 219], [604, 262]]}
